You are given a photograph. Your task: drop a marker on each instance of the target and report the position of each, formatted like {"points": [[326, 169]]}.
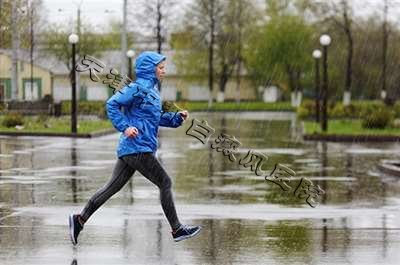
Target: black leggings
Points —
{"points": [[148, 165]]}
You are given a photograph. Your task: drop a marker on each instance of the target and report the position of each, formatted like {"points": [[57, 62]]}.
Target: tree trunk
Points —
{"points": [[299, 88], [158, 27], [211, 53], [222, 82], [15, 47], [159, 35], [1, 5], [124, 39], [239, 57], [350, 48], [31, 47], [384, 53], [292, 84], [349, 69]]}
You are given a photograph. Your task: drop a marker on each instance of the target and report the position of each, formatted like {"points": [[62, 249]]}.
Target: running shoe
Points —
{"points": [[185, 232], [74, 228]]}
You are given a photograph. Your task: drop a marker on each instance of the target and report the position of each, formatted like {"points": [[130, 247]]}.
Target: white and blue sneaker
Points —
{"points": [[185, 232]]}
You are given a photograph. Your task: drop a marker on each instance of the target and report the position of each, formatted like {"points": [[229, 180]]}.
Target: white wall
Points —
{"points": [[197, 92], [98, 92], [168, 93], [61, 92], [271, 94]]}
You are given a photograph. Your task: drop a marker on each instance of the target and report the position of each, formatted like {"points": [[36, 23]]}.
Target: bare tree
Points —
{"points": [[341, 14], [159, 36], [204, 20], [213, 37], [386, 96], [385, 37], [347, 27], [33, 7], [153, 16], [237, 19], [1, 14], [239, 25], [210, 6], [5, 24]]}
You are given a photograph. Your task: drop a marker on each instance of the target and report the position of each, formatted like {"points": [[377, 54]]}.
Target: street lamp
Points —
{"points": [[130, 54], [325, 41], [73, 40], [317, 55]]}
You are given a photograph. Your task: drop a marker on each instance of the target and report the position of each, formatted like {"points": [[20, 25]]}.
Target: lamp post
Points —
{"points": [[317, 56], [73, 40], [130, 54], [325, 41]]}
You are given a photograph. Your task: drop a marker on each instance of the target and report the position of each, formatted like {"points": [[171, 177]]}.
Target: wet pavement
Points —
{"points": [[245, 219]]}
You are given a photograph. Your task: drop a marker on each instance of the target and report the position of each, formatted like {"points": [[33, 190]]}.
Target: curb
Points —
{"points": [[351, 138], [251, 110]]}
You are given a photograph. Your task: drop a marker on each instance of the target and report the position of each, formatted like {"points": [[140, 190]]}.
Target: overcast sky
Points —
{"points": [[99, 12]]}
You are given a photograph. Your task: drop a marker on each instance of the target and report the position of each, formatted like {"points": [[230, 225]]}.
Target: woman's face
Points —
{"points": [[160, 70]]}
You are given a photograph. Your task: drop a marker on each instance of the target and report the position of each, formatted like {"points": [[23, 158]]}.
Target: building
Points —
{"points": [[52, 77], [42, 79]]}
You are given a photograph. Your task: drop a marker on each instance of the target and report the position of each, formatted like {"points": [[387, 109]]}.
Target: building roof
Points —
{"points": [[40, 59], [111, 58]]}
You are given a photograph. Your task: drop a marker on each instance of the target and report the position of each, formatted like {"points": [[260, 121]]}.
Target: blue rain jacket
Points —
{"points": [[141, 104]]}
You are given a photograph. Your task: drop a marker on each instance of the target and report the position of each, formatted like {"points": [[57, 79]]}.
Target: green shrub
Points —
{"points": [[102, 113], [42, 118], [367, 109], [337, 111], [84, 107], [356, 110], [12, 120], [303, 113], [380, 118], [306, 109], [309, 105], [397, 109], [351, 111]]}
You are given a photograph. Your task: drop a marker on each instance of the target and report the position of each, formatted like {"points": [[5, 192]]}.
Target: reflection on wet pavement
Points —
{"points": [[245, 219]]}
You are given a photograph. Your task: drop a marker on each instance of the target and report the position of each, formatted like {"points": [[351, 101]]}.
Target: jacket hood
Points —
{"points": [[146, 65]]}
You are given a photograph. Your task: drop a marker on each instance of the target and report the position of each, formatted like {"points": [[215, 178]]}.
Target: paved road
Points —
{"points": [[42, 180]]}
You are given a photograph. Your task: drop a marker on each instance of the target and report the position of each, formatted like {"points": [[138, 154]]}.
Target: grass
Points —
{"points": [[232, 106], [57, 125], [348, 127]]}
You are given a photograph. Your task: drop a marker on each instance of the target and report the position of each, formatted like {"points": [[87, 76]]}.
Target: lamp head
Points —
{"points": [[73, 38], [317, 54], [325, 40], [130, 53]]}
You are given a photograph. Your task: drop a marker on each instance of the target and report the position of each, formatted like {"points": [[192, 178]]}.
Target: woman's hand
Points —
{"points": [[184, 114], [131, 132]]}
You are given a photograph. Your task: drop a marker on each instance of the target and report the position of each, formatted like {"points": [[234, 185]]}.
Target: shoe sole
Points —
{"points": [[188, 236], [71, 229]]}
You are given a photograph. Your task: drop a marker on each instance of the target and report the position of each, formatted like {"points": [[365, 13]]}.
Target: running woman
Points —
{"points": [[138, 123]]}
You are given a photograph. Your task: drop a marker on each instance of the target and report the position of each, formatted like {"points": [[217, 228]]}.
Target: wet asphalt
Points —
{"points": [[245, 219]]}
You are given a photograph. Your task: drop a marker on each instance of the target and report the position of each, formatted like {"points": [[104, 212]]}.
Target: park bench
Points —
{"points": [[30, 107]]}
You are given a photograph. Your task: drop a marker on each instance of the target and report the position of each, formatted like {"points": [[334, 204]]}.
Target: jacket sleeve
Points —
{"points": [[171, 119], [122, 98]]}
